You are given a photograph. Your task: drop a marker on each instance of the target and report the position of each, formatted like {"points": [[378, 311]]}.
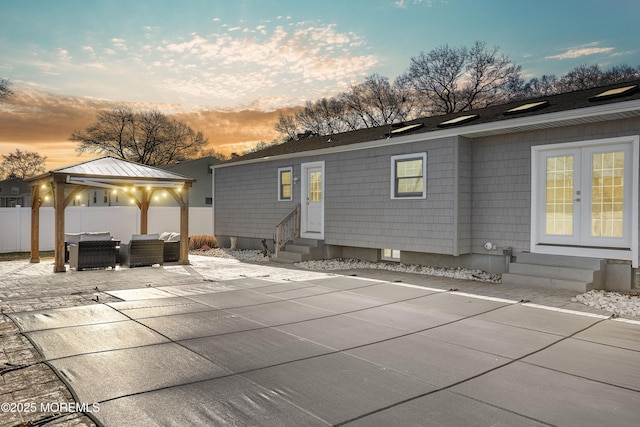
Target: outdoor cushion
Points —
{"points": [[145, 236], [95, 236], [175, 237], [72, 237], [165, 235]]}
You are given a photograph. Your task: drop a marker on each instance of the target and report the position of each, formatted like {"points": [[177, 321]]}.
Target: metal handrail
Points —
{"points": [[288, 229]]}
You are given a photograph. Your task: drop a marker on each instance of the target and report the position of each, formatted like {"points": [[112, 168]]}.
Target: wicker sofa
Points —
{"points": [[142, 250], [91, 250]]}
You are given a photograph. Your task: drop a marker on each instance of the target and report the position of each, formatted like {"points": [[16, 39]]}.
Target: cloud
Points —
{"points": [[234, 66], [63, 55], [279, 62], [35, 120], [403, 4], [119, 43], [585, 50]]}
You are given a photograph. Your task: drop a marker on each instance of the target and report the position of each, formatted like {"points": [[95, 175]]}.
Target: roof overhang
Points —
{"points": [[581, 116]]}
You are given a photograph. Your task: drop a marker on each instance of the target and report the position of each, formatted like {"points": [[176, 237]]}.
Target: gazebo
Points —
{"points": [[136, 180]]}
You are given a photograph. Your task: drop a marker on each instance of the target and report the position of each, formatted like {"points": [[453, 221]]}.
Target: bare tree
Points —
{"points": [[258, 147], [286, 127], [5, 91], [621, 73], [375, 102], [211, 152], [545, 85], [147, 137], [448, 80], [323, 117], [22, 164], [581, 77]]}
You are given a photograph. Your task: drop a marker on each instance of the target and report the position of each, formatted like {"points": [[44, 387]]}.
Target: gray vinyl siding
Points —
{"points": [[359, 210], [464, 197], [246, 200], [502, 180]]}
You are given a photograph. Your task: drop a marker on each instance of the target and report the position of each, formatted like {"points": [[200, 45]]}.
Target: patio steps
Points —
{"points": [[575, 274], [301, 250]]}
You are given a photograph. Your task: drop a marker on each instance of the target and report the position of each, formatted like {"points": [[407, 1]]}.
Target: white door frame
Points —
{"points": [[304, 197], [537, 211]]}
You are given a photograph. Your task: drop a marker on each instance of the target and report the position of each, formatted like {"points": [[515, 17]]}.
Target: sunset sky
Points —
{"points": [[229, 67]]}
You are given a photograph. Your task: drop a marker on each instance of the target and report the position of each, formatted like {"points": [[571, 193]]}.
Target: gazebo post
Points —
{"points": [[35, 224], [144, 212], [59, 205], [184, 226]]}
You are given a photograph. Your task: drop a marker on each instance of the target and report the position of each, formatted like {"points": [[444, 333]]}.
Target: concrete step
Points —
{"points": [[546, 282], [560, 261], [577, 274], [288, 257], [301, 250], [568, 273], [308, 242]]}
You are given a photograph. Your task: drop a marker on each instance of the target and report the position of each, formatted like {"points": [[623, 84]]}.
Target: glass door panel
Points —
{"points": [[559, 196], [608, 203]]}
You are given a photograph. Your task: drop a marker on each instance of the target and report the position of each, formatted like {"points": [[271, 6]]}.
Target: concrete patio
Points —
{"points": [[222, 342]]}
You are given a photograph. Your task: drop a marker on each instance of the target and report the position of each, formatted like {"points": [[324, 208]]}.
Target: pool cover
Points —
{"points": [[336, 351]]}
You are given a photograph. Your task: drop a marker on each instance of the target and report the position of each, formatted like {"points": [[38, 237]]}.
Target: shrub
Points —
{"points": [[199, 242]]}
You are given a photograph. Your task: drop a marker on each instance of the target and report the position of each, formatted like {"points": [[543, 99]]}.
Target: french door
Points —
{"points": [[585, 195]]}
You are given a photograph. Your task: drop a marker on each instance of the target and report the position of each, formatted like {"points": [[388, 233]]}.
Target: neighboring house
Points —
{"points": [[199, 194], [200, 170], [14, 192], [543, 190]]}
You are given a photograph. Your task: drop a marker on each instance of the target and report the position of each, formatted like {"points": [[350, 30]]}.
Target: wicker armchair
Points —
{"points": [[171, 246], [93, 254], [138, 253], [171, 251]]}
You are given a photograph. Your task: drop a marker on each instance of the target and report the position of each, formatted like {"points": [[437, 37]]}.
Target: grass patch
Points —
{"points": [[16, 256]]}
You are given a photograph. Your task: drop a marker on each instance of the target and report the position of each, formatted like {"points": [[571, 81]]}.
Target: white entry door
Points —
{"points": [[312, 217], [584, 196]]}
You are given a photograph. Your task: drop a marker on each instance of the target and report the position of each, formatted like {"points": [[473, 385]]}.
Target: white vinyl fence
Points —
{"points": [[120, 221]]}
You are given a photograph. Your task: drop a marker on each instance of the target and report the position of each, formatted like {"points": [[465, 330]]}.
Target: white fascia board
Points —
{"points": [[603, 112]]}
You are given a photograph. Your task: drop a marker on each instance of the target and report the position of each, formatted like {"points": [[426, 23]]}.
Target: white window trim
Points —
{"points": [[394, 159], [280, 170], [390, 258]]}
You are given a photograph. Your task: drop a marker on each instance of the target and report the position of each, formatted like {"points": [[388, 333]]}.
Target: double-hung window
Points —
{"points": [[409, 176], [285, 184]]}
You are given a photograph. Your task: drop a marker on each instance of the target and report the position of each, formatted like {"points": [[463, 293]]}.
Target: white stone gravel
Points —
{"points": [[613, 302], [354, 264], [241, 255]]}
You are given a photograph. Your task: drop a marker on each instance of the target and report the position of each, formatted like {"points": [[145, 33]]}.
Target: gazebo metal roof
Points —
{"points": [[137, 180], [118, 168]]}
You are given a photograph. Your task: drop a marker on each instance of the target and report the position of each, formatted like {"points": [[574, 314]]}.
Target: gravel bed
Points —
{"points": [[354, 264], [614, 302], [240, 255]]}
